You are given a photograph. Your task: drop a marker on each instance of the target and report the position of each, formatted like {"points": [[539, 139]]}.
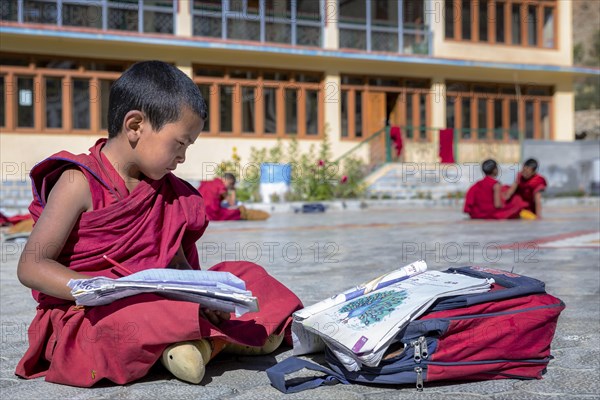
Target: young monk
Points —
{"points": [[216, 191], [123, 201], [529, 185], [484, 199]]}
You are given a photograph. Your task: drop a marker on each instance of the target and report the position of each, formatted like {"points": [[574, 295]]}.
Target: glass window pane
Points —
{"points": [[415, 43], [248, 107], [207, 26], [545, 115], [514, 120], [243, 29], [516, 24], [158, 22], [275, 76], [242, 74], [278, 33], [203, 71], [500, 22], [466, 19], [123, 19], [226, 108], [54, 103], [532, 25], [466, 118], [353, 12], [344, 113], [291, 111], [353, 39], [9, 10], [384, 13], [2, 102], [82, 15], [423, 116], [278, 9], [308, 36], [481, 119], [498, 127], [308, 10], [450, 112], [384, 41], [81, 104], [409, 116], [104, 94], [207, 5], [312, 112], [39, 12], [548, 27], [358, 129], [483, 20], [25, 103], [449, 18], [529, 123], [413, 14], [270, 99]]}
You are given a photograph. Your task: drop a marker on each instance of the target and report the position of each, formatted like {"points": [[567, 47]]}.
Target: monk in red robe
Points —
{"points": [[214, 192], [484, 199], [122, 200], [529, 185]]}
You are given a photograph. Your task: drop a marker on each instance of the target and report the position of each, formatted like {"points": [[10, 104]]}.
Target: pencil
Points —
{"points": [[116, 264]]}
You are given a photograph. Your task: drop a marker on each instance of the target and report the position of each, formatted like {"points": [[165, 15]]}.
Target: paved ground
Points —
{"points": [[318, 255]]}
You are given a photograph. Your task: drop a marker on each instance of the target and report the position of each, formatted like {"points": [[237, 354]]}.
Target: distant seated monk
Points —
{"points": [[484, 199], [529, 187], [215, 191]]}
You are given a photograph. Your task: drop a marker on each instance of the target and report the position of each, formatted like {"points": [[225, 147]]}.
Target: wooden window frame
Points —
{"points": [[11, 73], [524, 4], [403, 91], [474, 96], [259, 83]]}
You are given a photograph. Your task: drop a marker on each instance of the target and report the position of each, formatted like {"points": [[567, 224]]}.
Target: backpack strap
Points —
{"points": [[278, 372]]}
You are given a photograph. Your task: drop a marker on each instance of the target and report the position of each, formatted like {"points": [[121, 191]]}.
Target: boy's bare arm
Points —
{"points": [[38, 268], [179, 261], [513, 188]]}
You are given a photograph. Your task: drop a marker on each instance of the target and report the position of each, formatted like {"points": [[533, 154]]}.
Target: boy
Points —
{"points": [[214, 192], [529, 185], [123, 201], [484, 199]]}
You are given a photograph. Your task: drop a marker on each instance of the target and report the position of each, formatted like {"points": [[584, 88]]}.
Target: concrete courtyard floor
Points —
{"points": [[318, 255]]}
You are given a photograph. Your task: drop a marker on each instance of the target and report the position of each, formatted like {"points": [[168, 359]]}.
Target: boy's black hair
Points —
{"points": [[531, 163], [489, 166], [229, 176], [157, 89]]}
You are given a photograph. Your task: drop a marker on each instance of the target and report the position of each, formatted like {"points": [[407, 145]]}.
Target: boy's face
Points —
{"points": [[527, 172], [159, 152]]}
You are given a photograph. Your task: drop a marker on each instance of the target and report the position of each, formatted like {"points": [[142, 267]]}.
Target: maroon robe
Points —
{"points": [[80, 346], [528, 188], [479, 202], [213, 192]]}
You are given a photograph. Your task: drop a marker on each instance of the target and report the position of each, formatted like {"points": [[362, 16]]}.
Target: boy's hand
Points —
{"points": [[215, 317]]}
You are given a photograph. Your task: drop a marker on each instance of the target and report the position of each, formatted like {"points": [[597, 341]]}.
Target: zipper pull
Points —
{"points": [[417, 355], [424, 350], [419, 372]]}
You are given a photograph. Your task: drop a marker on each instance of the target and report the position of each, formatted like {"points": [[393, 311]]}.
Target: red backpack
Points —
{"points": [[504, 333]]}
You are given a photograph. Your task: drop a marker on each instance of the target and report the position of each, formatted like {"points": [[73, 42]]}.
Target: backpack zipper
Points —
{"points": [[419, 372]]}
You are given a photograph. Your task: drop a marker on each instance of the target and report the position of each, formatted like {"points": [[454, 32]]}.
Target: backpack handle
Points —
{"points": [[278, 372]]}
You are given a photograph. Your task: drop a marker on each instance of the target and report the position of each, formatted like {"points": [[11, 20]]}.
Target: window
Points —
{"points": [[297, 23], [56, 95], [262, 103], [407, 105], [516, 22], [376, 26], [490, 112], [143, 16]]}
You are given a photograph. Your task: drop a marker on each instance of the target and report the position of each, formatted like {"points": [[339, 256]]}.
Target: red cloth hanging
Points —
{"points": [[447, 145], [396, 136]]}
